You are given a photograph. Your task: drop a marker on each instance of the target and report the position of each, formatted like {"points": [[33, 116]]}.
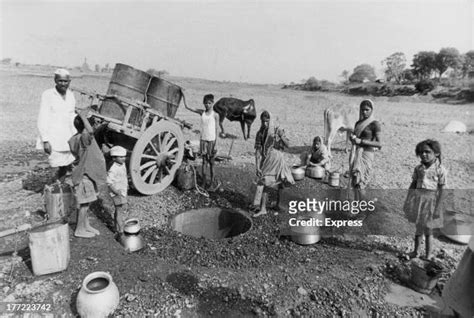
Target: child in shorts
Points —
{"points": [[118, 184], [88, 173]]}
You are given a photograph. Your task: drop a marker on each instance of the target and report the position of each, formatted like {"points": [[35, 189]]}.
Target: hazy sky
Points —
{"points": [[251, 41]]}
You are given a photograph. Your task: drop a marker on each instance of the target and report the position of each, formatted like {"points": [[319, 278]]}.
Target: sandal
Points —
{"points": [[412, 255], [259, 214], [254, 208]]}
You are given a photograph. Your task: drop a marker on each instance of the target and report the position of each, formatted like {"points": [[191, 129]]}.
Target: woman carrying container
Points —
{"points": [[272, 169]]}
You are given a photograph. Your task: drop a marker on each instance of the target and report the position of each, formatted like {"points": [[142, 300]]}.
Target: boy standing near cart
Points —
{"points": [[88, 173], [118, 184], [208, 148]]}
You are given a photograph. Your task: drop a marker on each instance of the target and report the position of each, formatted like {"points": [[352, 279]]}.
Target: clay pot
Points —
{"points": [[298, 172], [98, 297]]}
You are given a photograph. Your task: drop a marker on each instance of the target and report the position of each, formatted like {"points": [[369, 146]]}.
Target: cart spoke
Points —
{"points": [[149, 157], [167, 170], [153, 147], [148, 172], [172, 152], [148, 164], [159, 142], [170, 144], [153, 176], [165, 141]]}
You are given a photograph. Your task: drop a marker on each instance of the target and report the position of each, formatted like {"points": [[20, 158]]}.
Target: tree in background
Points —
{"points": [[394, 66], [467, 63], [362, 73], [312, 84], [345, 75], [447, 57], [424, 63], [97, 68], [408, 77]]}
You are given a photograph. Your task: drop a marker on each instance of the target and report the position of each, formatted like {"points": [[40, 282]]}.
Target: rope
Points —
{"points": [[200, 190]]}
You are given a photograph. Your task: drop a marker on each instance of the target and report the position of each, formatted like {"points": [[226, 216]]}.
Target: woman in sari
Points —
{"points": [[365, 141], [272, 169]]}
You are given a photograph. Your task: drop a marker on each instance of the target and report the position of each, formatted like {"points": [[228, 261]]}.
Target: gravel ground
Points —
{"points": [[259, 273]]}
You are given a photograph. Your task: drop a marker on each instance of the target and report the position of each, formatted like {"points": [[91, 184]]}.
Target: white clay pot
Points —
{"points": [[98, 297]]}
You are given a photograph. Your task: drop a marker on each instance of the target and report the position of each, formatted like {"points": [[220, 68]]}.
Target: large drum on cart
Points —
{"points": [[139, 109], [127, 82], [163, 96]]}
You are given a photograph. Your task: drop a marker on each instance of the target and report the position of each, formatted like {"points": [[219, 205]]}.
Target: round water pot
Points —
{"points": [[298, 172], [98, 296], [316, 172]]}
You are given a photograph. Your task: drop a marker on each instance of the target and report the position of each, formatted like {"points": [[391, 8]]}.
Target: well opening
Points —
{"points": [[211, 223]]}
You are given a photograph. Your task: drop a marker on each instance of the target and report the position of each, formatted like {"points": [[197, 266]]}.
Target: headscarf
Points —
{"points": [[363, 123]]}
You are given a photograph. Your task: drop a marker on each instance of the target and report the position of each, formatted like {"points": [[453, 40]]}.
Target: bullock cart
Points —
{"points": [[137, 113]]}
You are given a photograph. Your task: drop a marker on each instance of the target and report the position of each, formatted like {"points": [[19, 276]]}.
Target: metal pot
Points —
{"points": [[298, 172], [132, 242], [316, 172], [131, 226]]}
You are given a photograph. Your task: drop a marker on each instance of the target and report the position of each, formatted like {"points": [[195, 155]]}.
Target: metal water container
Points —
{"points": [[164, 96], [127, 82]]}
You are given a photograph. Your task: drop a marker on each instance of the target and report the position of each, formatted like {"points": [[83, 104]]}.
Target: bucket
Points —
{"points": [[334, 179], [423, 275], [306, 235], [457, 226], [163, 96], [58, 200], [49, 248], [127, 82]]}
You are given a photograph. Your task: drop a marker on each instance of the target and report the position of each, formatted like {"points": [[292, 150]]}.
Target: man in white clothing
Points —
{"points": [[55, 123]]}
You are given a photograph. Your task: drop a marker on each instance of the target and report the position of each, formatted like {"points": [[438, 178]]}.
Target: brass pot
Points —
{"points": [[132, 242], [298, 172], [316, 172], [131, 226]]}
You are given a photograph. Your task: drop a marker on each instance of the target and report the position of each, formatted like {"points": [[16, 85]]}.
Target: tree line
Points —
{"points": [[425, 65]]}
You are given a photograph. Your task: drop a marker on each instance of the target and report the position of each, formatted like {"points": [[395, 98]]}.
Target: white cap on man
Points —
{"points": [[61, 72], [118, 151]]}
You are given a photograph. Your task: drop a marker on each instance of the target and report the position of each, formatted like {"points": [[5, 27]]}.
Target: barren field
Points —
{"points": [[256, 274]]}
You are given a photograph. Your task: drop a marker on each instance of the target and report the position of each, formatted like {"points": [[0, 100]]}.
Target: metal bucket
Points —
{"points": [[334, 179], [127, 82], [163, 96], [49, 248]]}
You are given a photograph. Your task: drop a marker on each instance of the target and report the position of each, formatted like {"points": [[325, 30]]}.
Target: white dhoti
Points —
{"points": [[60, 158]]}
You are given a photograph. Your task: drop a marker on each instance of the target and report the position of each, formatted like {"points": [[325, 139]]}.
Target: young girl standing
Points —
{"points": [[422, 205]]}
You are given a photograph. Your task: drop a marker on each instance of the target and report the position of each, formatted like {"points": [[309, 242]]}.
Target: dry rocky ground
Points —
{"points": [[260, 272]]}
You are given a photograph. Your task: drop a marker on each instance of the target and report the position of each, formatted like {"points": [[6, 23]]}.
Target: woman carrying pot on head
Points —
{"points": [[272, 169], [365, 141]]}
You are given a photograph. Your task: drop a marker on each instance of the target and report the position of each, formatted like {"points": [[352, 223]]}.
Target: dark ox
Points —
{"points": [[236, 110]]}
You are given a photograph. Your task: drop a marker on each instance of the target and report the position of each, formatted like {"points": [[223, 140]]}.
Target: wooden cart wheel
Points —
{"points": [[157, 155]]}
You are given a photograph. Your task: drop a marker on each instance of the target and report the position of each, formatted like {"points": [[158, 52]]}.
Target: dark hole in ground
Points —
{"points": [[211, 223]]}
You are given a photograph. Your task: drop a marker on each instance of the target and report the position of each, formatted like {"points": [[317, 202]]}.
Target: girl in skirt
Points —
{"points": [[423, 203]]}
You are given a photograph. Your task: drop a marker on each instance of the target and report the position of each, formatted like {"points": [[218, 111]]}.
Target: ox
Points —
{"points": [[236, 110], [340, 119]]}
